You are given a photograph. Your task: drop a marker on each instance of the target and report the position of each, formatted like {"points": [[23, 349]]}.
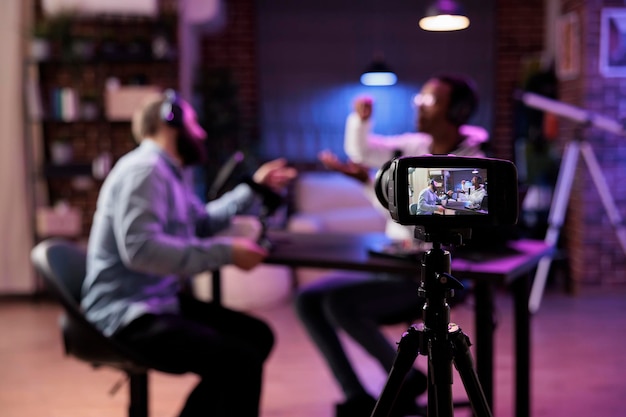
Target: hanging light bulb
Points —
{"points": [[378, 74], [444, 15]]}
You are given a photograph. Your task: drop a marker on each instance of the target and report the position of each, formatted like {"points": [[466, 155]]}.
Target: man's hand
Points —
{"points": [[364, 106], [247, 254], [351, 169], [275, 174]]}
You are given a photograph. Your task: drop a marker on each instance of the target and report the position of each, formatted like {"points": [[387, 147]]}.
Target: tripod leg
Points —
{"points": [[440, 378], [464, 364], [408, 349], [555, 219], [605, 193]]}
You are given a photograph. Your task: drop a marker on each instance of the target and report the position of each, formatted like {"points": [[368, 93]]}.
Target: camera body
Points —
{"points": [[445, 192]]}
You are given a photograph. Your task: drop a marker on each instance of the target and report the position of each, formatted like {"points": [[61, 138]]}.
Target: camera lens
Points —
{"points": [[381, 184]]}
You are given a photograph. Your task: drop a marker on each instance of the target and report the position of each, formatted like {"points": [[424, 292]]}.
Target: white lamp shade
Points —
{"points": [[378, 74], [95, 7], [443, 16], [444, 23]]}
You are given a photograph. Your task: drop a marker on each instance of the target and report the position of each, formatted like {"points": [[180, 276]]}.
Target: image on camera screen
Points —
{"points": [[447, 191]]}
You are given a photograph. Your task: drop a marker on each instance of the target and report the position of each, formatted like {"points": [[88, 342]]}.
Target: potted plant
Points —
{"points": [[59, 32]]}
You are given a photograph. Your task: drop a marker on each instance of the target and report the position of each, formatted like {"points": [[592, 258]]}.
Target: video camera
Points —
{"points": [[449, 192]]}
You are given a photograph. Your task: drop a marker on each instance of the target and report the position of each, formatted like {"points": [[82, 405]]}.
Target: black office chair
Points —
{"points": [[62, 264], [484, 204]]}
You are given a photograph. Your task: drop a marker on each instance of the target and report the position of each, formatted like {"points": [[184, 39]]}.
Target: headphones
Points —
{"points": [[171, 110], [463, 99]]}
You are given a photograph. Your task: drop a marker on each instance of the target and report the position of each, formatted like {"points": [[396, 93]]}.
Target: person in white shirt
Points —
{"points": [[477, 193], [360, 305]]}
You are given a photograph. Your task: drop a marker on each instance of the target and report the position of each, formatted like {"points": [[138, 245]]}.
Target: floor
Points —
{"points": [[579, 363]]}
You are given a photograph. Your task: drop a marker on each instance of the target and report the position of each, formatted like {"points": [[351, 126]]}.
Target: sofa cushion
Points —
{"points": [[348, 220], [317, 192]]}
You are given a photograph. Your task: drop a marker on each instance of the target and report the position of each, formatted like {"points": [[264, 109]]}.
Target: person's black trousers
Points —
{"points": [[226, 348]]}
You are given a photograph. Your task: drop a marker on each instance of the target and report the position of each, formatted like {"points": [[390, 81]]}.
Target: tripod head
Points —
{"points": [[437, 285], [456, 237]]}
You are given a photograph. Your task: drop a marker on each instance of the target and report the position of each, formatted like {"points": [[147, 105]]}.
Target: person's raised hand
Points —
{"points": [[351, 169], [330, 160], [364, 106], [275, 174], [247, 254]]}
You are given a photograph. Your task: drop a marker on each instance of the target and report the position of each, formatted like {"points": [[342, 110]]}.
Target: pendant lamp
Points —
{"points": [[378, 74], [443, 16]]}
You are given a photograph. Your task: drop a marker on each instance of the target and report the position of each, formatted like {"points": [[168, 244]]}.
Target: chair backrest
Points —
{"points": [[484, 204], [62, 265]]}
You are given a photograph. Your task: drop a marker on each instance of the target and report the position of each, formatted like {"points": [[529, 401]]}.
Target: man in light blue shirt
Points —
{"points": [[427, 201], [150, 232]]}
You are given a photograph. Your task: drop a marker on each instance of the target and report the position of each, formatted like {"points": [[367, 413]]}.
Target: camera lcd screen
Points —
{"points": [[447, 191]]}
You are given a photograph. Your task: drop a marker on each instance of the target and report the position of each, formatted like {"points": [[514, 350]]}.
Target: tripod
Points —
{"points": [[558, 208], [566, 177], [441, 341]]}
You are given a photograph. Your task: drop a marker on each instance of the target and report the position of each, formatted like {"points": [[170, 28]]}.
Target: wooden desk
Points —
{"points": [[513, 267]]}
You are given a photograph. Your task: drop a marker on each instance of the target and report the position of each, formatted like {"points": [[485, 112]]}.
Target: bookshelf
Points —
{"points": [[77, 92]]}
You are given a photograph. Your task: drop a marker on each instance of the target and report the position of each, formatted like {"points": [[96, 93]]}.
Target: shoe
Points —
{"points": [[405, 405], [361, 406]]}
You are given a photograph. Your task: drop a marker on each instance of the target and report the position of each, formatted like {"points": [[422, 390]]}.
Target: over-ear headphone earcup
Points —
{"points": [[463, 100], [459, 113], [171, 111]]}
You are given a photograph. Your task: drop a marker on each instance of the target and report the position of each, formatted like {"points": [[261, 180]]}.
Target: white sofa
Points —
{"points": [[330, 201], [322, 201], [327, 201]]}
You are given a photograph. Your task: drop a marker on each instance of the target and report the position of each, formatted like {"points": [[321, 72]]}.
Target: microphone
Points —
{"points": [[224, 174]]}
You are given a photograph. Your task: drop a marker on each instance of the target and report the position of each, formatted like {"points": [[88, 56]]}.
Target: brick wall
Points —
{"points": [[519, 35], [596, 256], [229, 57], [592, 248]]}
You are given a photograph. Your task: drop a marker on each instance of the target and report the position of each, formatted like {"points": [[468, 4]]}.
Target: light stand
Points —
{"points": [[565, 180]]}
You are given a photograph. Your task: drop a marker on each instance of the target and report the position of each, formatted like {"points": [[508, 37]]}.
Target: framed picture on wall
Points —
{"points": [[613, 42], [568, 46]]}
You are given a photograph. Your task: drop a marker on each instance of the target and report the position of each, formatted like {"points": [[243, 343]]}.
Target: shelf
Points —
{"points": [[68, 170], [99, 120], [103, 59], [62, 78]]}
